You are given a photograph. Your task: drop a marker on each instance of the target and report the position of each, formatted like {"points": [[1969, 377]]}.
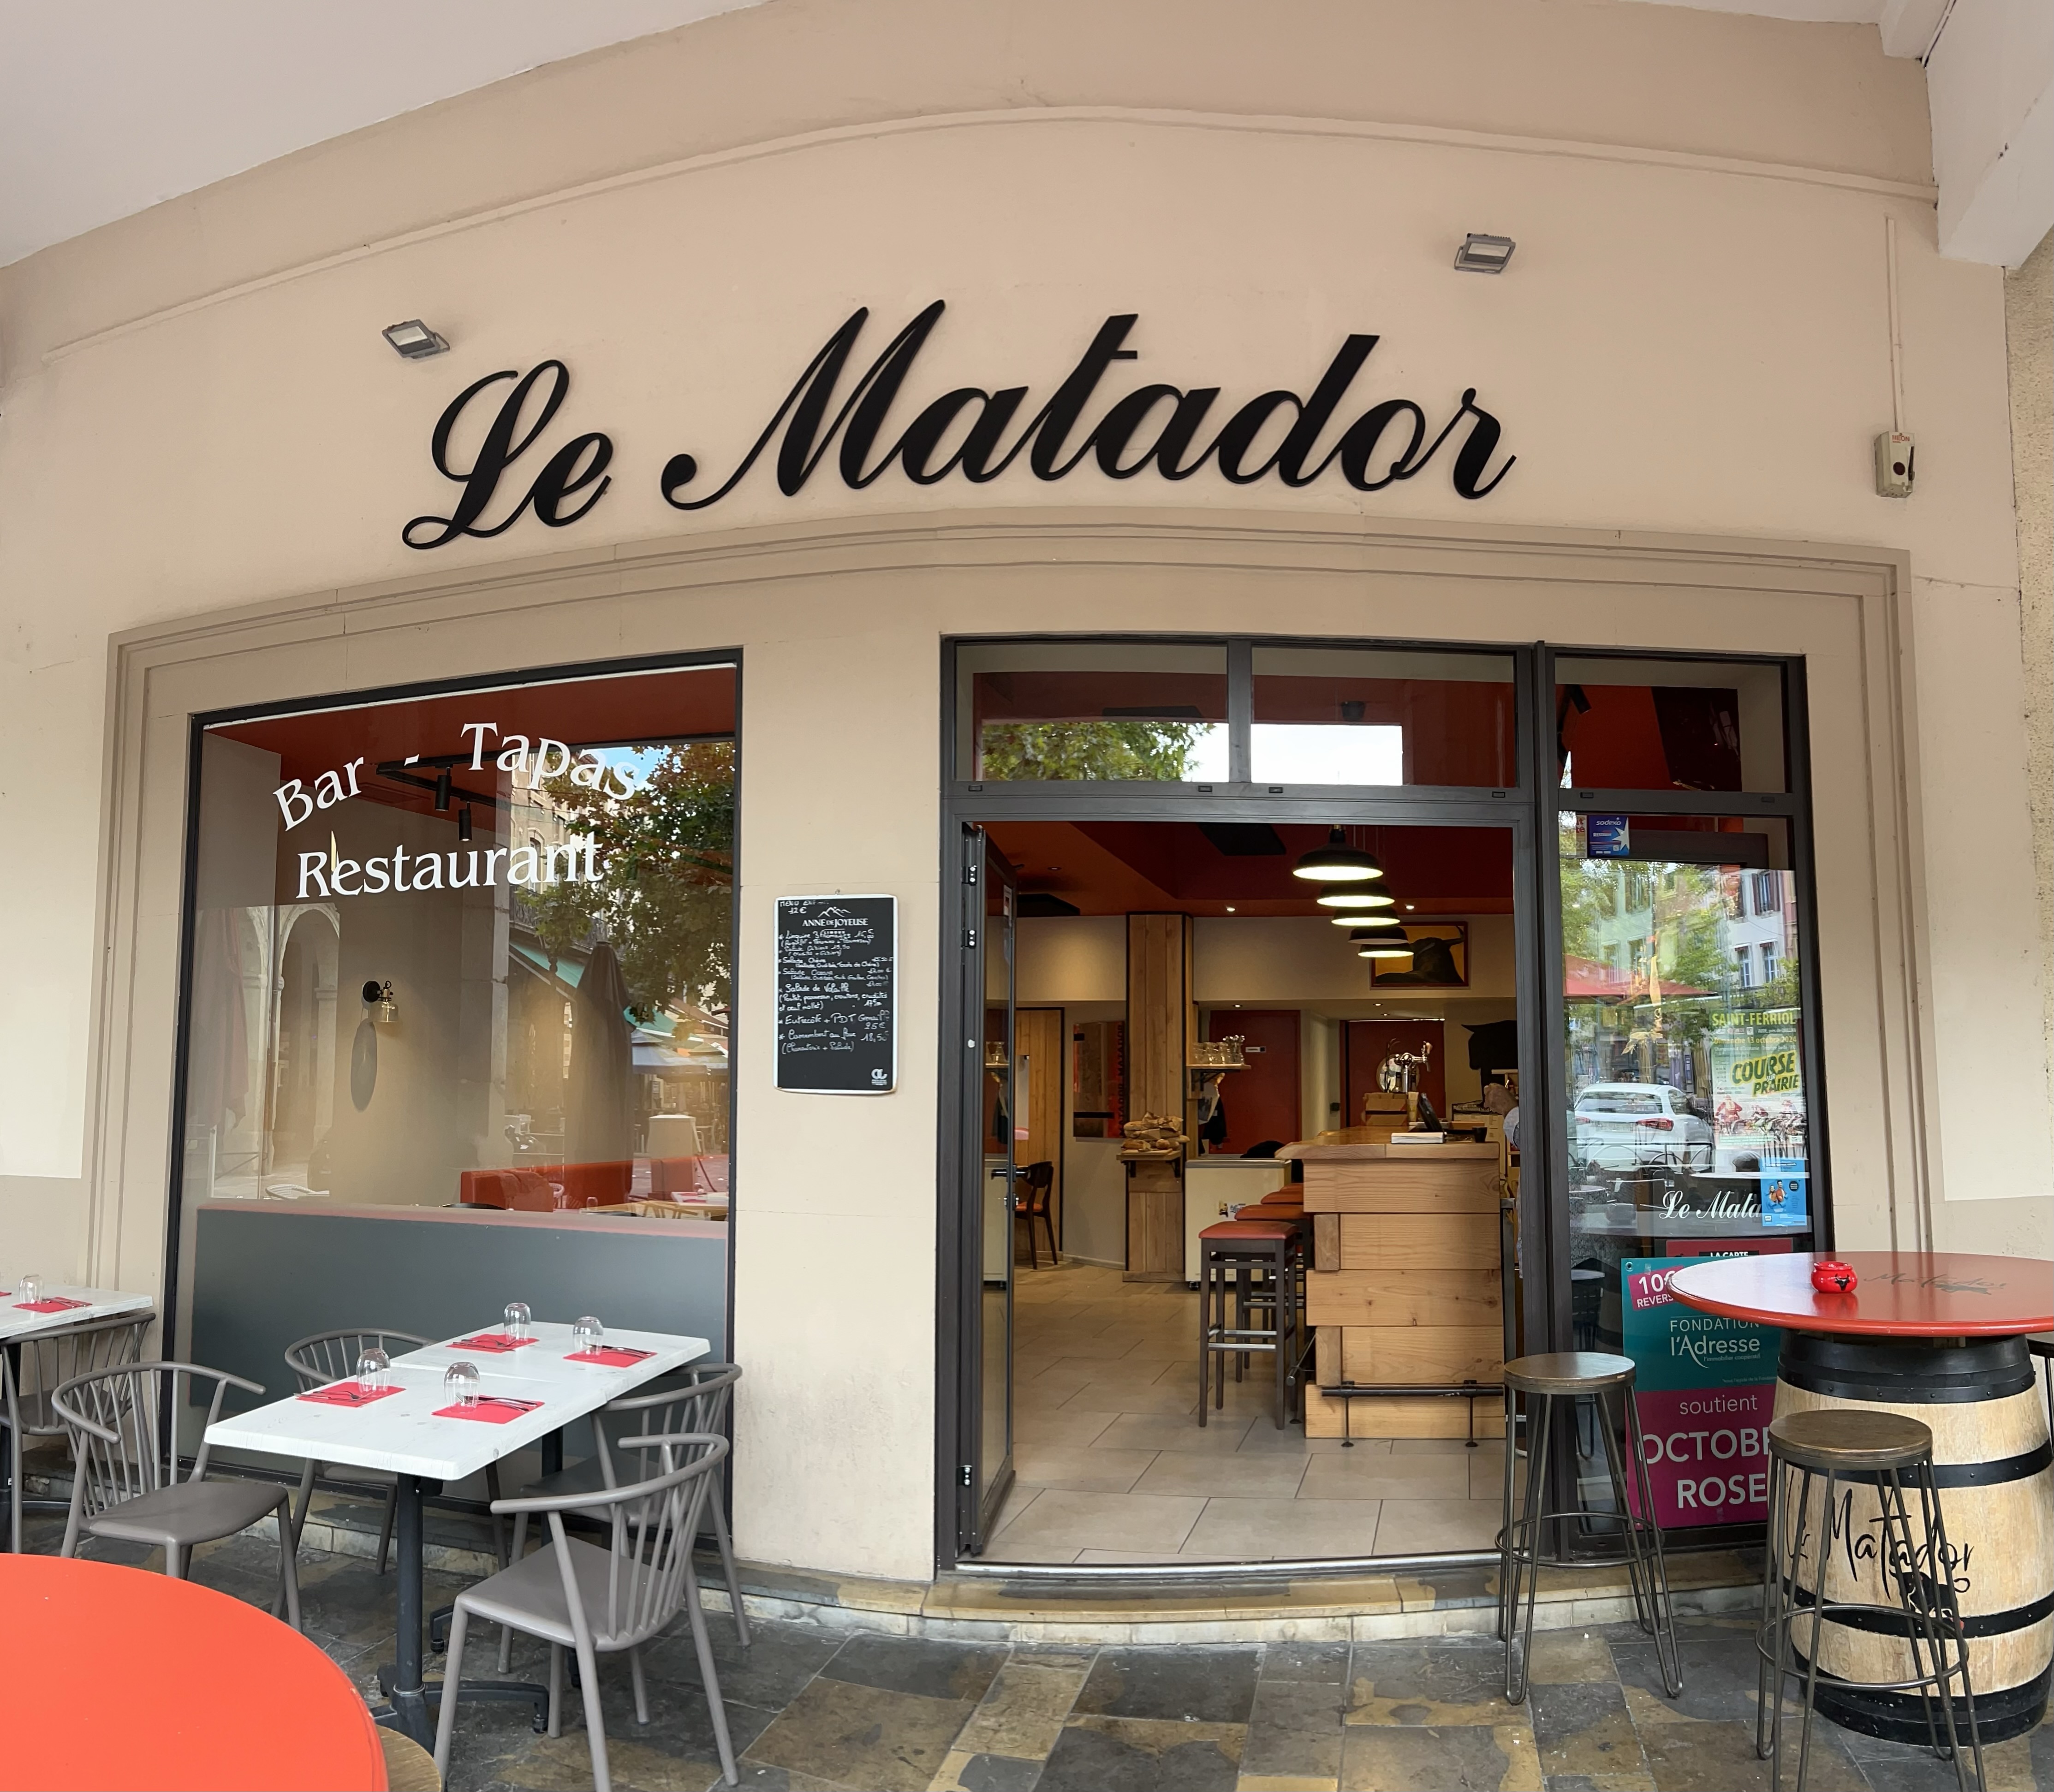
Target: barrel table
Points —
{"points": [[1941, 1337]]}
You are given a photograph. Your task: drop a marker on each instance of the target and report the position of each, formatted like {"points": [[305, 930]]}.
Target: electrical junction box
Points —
{"points": [[1896, 465]]}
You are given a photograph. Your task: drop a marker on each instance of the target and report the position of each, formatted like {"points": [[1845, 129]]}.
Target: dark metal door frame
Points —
{"points": [[1528, 809]]}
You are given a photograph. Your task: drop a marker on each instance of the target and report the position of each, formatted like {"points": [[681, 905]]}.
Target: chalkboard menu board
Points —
{"points": [[837, 1001]]}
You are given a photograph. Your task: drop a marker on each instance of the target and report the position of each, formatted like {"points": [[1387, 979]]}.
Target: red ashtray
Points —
{"points": [[1830, 1276]]}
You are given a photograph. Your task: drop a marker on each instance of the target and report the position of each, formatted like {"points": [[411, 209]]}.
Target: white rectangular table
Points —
{"points": [[101, 1303], [402, 1435], [17, 1327]]}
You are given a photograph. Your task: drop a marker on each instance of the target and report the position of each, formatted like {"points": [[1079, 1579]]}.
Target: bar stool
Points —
{"points": [[1552, 1380], [1864, 1448], [1230, 1254]]}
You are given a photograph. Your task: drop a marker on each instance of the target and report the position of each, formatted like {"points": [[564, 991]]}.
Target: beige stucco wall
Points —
{"points": [[2029, 305], [196, 412]]}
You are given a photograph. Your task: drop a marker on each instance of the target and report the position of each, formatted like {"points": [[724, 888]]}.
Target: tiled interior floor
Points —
{"points": [[812, 1709], [1112, 1465]]}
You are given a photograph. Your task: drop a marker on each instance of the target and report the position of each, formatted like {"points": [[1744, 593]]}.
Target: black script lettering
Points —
{"points": [[559, 478], [501, 448], [812, 421], [1476, 452], [1360, 443], [806, 403]]}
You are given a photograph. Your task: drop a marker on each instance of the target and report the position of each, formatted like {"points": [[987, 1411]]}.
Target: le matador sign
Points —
{"points": [[969, 433]]}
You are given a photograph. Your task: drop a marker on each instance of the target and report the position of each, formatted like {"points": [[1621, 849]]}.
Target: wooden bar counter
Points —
{"points": [[1405, 1286]]}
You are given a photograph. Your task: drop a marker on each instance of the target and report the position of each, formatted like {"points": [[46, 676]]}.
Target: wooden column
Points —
{"points": [[1159, 1027]]}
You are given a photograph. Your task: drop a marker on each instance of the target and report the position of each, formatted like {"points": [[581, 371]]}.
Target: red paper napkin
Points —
{"points": [[489, 1410], [611, 1356], [57, 1303], [492, 1343], [347, 1393]]}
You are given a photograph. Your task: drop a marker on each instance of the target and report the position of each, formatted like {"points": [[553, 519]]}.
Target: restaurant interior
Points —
{"points": [[1295, 1023]]}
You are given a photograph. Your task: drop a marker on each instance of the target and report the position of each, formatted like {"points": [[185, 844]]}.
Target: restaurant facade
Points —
{"points": [[877, 450]]}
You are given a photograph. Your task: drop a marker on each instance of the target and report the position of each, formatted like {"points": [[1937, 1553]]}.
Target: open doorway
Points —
{"points": [[1193, 984]]}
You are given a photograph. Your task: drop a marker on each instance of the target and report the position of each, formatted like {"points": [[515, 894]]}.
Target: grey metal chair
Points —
{"points": [[597, 1601], [328, 1357], [699, 1404], [125, 1485], [33, 1368]]}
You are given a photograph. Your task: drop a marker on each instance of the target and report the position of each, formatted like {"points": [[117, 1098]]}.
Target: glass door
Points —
{"points": [[1687, 1133], [987, 1182]]}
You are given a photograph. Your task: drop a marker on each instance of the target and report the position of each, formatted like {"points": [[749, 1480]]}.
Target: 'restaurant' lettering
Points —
{"points": [[1386, 442]]}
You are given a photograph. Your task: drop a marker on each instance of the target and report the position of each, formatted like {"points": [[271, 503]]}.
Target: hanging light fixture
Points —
{"points": [[1385, 949], [1354, 895], [1337, 862], [1355, 918]]}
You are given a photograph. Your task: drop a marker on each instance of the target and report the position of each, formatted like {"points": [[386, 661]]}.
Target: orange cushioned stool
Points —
{"points": [[1230, 1254]]}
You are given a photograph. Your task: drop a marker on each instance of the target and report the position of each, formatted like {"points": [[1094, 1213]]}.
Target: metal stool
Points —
{"points": [[1551, 1381], [1229, 1254], [2041, 1345], [1865, 1448]]}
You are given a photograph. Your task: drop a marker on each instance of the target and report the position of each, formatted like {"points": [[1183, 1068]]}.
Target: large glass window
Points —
{"points": [[1092, 712], [1359, 716], [468, 949], [1671, 725]]}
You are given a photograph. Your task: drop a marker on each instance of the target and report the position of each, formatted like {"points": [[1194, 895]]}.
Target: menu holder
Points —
{"points": [[611, 1356], [347, 1393], [490, 1410], [493, 1344], [57, 1303]]}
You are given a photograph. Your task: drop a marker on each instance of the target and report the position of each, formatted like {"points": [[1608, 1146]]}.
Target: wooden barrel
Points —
{"points": [[1995, 1472]]}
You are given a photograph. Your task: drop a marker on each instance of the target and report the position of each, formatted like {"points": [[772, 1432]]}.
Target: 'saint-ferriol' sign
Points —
{"points": [[973, 433]]}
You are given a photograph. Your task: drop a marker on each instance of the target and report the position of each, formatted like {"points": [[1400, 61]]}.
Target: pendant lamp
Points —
{"points": [[1356, 919], [1336, 862], [1390, 949], [1353, 896]]}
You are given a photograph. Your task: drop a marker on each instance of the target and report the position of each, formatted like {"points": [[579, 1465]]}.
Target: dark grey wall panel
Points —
{"points": [[263, 1278]]}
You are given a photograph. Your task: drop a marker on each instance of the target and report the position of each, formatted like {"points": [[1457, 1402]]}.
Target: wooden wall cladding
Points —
{"points": [[1405, 1289], [1401, 1297], [1398, 1416], [1154, 1221]]}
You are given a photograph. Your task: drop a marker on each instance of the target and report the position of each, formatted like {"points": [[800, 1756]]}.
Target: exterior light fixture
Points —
{"points": [[1354, 895], [415, 340], [464, 823], [1336, 862], [1479, 254], [442, 791], [378, 996]]}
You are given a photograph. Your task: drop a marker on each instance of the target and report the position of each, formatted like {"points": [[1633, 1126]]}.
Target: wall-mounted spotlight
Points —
{"points": [[442, 791], [416, 341], [1478, 254], [378, 996], [464, 823]]}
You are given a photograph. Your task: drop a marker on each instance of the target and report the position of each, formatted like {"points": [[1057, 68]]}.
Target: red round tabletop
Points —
{"points": [[1898, 1293], [115, 1678]]}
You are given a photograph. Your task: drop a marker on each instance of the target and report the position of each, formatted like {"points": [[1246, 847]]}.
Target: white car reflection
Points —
{"points": [[1631, 1126]]}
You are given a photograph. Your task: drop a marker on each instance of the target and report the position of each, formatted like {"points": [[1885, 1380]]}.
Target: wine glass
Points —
{"points": [[374, 1371], [28, 1290], [586, 1333], [460, 1384], [519, 1321]]}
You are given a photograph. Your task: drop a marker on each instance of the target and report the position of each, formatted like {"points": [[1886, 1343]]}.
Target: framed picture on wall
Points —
{"points": [[1440, 959]]}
